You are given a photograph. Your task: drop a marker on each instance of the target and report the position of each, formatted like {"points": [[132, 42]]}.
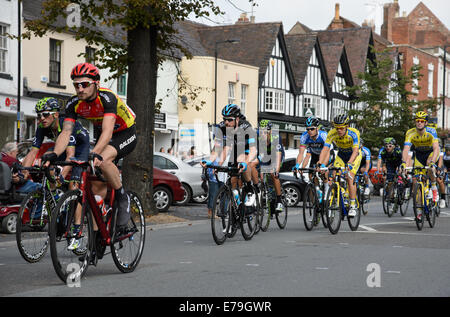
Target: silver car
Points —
{"points": [[190, 177]]}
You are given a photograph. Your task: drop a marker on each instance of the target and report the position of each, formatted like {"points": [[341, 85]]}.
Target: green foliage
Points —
{"points": [[386, 101]]}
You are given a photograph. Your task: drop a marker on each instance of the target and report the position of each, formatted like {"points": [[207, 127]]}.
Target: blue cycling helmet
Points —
{"points": [[231, 110], [312, 122]]}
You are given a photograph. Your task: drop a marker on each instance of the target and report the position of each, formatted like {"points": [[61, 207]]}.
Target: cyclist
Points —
{"points": [[238, 140], [426, 145], [50, 126], [389, 158], [273, 145], [440, 176], [347, 141], [364, 168], [115, 130]]}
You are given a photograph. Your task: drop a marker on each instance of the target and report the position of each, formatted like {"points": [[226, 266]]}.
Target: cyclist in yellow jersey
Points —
{"points": [[347, 141], [426, 147]]}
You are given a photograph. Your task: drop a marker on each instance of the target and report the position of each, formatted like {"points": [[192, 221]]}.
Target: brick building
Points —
{"points": [[420, 38]]}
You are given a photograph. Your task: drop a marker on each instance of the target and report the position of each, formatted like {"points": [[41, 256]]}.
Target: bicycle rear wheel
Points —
{"points": [[333, 209], [309, 207], [32, 226], [70, 265], [281, 216], [265, 214], [128, 245], [221, 215], [418, 206]]}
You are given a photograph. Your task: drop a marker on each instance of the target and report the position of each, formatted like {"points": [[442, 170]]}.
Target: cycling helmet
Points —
{"points": [[387, 141], [265, 124], [231, 110], [85, 70], [47, 104], [312, 122], [421, 115], [341, 120]]}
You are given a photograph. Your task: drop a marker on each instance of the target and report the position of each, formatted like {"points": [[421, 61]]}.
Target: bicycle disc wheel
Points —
{"points": [[127, 248], [418, 206], [265, 214], [333, 210], [281, 216], [221, 215], [32, 226], [309, 207], [70, 265]]}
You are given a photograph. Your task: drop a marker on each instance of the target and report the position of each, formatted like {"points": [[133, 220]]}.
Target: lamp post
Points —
{"points": [[443, 87], [232, 41]]}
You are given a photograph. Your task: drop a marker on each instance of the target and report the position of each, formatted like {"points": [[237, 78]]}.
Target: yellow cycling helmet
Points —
{"points": [[421, 115]]}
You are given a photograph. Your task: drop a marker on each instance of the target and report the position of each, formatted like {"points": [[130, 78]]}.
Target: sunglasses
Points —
{"points": [[228, 119], [43, 115], [421, 121], [310, 129], [82, 84]]}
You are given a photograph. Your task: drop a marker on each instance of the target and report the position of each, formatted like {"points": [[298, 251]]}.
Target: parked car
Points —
{"points": [[189, 176], [167, 189]]}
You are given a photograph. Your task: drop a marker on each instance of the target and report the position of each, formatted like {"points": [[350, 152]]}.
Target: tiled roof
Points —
{"points": [[332, 53], [356, 41], [300, 47]]}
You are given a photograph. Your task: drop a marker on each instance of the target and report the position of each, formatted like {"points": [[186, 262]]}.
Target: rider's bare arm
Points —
{"points": [[64, 137], [106, 135]]}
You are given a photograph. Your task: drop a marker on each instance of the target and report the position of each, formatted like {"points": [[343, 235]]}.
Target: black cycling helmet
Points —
{"points": [[341, 120], [231, 111], [312, 122]]}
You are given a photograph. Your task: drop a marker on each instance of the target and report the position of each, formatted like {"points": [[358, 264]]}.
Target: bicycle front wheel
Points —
{"points": [[333, 209], [265, 214], [391, 199], [128, 246], [353, 222], [281, 216], [70, 265], [221, 215], [418, 205], [32, 222], [432, 212], [309, 207], [249, 220]]}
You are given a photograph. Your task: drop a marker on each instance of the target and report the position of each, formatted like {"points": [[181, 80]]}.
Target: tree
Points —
{"points": [[386, 99], [142, 28]]}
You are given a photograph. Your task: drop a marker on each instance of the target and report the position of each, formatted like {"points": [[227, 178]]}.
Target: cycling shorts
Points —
{"points": [[124, 142]]}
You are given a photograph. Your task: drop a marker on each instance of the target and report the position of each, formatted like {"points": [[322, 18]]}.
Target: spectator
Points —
{"points": [[9, 156], [170, 151], [192, 152], [162, 150]]}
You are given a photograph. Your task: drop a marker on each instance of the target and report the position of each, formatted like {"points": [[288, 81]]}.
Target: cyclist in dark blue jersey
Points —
{"points": [[366, 165]]}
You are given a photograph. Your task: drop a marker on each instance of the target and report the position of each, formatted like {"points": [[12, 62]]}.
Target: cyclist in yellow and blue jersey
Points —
{"points": [[426, 147], [347, 141]]}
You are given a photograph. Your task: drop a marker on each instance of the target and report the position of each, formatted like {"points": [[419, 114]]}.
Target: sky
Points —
{"points": [[317, 14]]}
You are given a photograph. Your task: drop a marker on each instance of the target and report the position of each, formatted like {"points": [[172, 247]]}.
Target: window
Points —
{"points": [[3, 48], [89, 55], [231, 87], [243, 98], [122, 85], [55, 62], [163, 163], [430, 79], [415, 83], [274, 100], [311, 106]]}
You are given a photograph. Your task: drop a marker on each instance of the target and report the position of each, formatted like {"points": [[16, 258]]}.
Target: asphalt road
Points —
{"points": [[385, 257]]}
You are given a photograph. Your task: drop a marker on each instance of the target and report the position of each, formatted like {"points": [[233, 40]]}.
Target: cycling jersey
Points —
{"points": [[365, 152], [313, 146], [446, 159], [422, 143], [240, 140], [107, 103], [42, 132], [346, 143], [274, 146], [391, 159]]}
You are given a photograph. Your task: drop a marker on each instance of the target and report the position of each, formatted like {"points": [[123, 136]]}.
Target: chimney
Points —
{"points": [[243, 19], [252, 19], [337, 22], [390, 12]]}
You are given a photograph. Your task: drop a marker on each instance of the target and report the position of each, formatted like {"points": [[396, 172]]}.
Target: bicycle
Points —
{"points": [[126, 245], [422, 204], [447, 189], [337, 203], [394, 195], [229, 212], [267, 205], [313, 203], [360, 188], [35, 214]]}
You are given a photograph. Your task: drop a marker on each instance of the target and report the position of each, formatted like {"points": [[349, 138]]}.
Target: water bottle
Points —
{"points": [[236, 196], [101, 205], [319, 194]]}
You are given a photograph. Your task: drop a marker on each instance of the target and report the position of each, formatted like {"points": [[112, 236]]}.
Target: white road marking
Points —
{"points": [[393, 272], [188, 241], [254, 265], [397, 246], [321, 268], [367, 228], [187, 262]]}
